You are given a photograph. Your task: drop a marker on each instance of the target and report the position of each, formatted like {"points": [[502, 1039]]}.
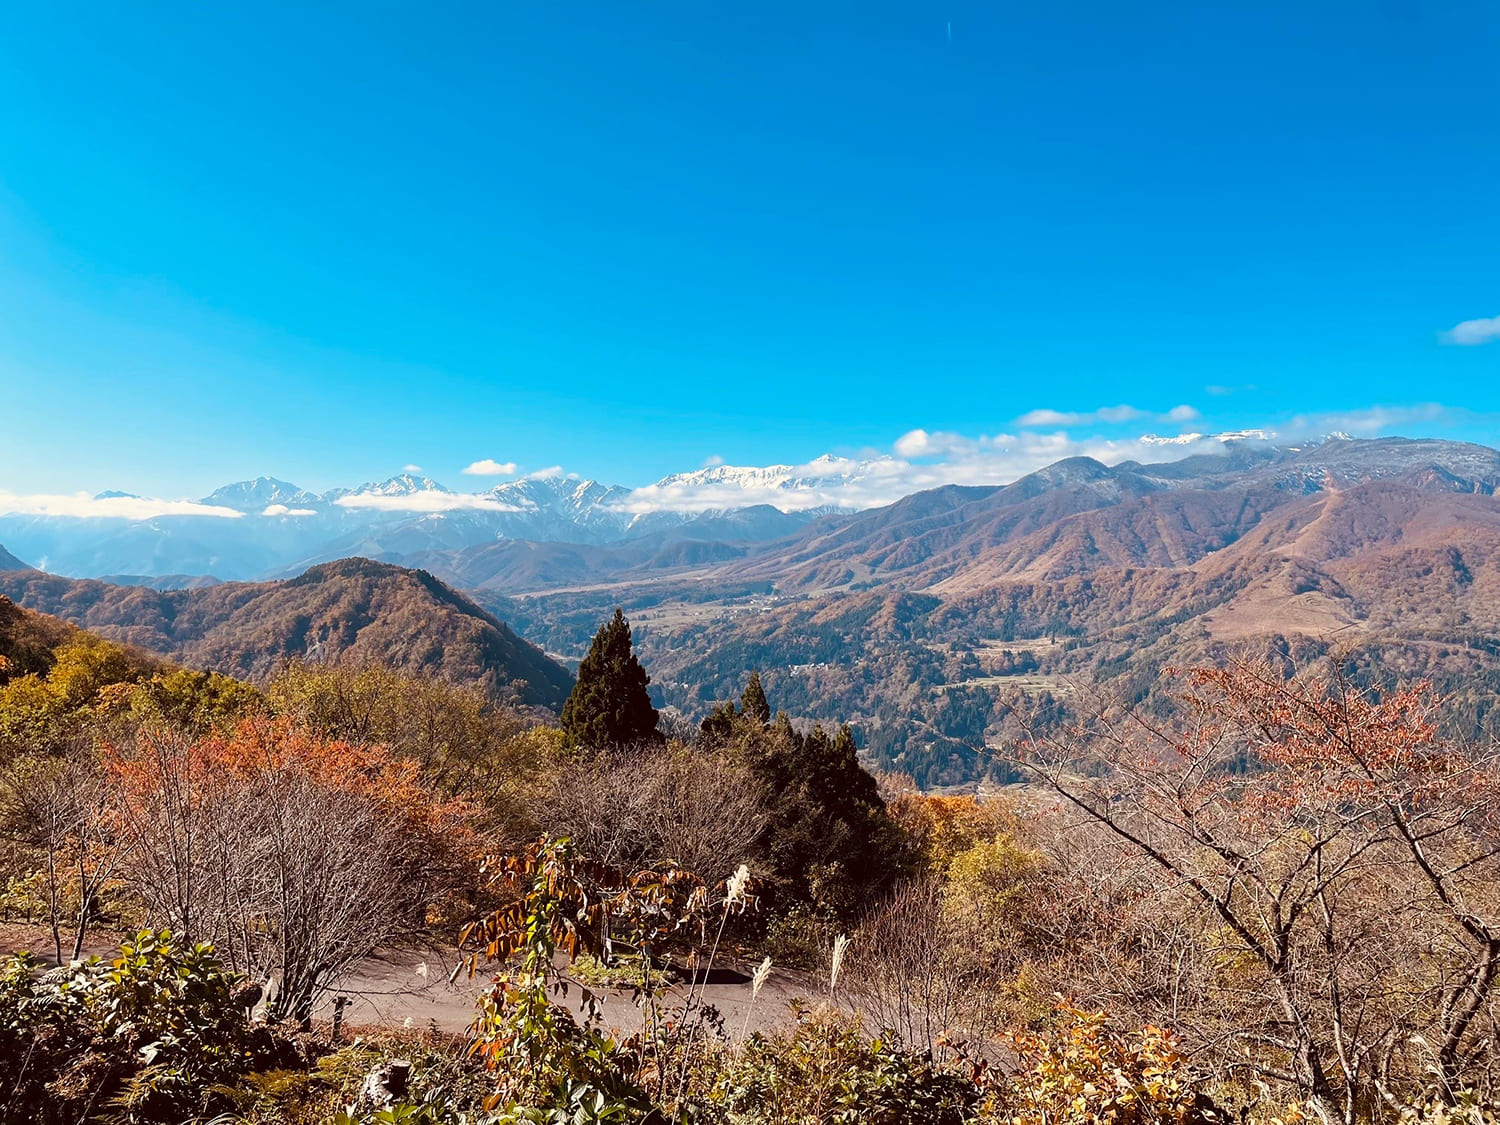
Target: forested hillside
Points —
{"points": [[933, 623], [353, 610]]}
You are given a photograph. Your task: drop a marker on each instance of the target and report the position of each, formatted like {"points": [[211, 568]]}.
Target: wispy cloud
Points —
{"points": [[1111, 415], [1369, 422], [81, 505], [426, 502], [283, 510], [711, 460], [551, 472], [1470, 333], [411, 468], [1120, 413], [489, 467]]}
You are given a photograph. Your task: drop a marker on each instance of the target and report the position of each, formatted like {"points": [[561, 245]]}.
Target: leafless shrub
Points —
{"points": [[295, 863], [1322, 872], [65, 807], [634, 808], [909, 972]]}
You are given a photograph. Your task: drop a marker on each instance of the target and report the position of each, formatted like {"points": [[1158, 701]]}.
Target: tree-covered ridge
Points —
{"points": [[28, 641], [355, 609]]}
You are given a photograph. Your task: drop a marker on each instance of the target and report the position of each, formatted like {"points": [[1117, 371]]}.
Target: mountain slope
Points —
{"points": [[9, 561], [28, 639], [353, 609], [928, 622]]}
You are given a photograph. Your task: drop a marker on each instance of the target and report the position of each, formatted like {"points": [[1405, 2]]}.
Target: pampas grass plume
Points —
{"points": [[840, 947]]}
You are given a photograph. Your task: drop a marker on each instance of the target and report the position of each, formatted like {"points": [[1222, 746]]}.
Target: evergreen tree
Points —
{"points": [[753, 703], [610, 705], [828, 840]]}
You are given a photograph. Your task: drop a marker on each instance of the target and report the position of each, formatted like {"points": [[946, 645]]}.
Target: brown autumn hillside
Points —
{"points": [[352, 609], [929, 621]]}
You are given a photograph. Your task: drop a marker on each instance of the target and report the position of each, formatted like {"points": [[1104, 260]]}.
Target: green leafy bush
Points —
{"points": [[828, 1072], [800, 938], [143, 1038]]}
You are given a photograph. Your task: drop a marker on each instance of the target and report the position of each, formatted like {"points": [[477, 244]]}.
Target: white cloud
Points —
{"points": [[489, 467], [411, 468], [551, 472], [1363, 423], [920, 443], [1052, 418], [1469, 333], [429, 500], [913, 443], [1119, 413], [1112, 415], [283, 510], [81, 505], [711, 460]]}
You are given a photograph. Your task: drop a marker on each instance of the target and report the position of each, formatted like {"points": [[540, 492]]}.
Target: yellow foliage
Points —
{"points": [[36, 709], [1085, 1072], [942, 827]]}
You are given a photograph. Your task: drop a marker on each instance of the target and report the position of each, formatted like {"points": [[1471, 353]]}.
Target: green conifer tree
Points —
{"points": [[609, 705], [753, 703]]}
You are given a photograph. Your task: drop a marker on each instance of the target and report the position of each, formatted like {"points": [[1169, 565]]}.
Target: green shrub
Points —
{"points": [[146, 1037], [625, 971], [799, 939], [828, 1072]]}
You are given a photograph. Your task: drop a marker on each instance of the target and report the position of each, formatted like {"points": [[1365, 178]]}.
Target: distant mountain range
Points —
{"points": [[265, 528], [270, 528], [928, 622]]}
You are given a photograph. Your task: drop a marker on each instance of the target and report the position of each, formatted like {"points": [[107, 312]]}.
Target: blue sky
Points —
{"points": [[324, 242]]}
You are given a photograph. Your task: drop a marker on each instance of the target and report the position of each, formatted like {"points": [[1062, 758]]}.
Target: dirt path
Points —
{"points": [[397, 986], [394, 987]]}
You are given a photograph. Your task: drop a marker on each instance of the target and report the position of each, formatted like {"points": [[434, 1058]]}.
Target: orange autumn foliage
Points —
{"points": [[266, 751]]}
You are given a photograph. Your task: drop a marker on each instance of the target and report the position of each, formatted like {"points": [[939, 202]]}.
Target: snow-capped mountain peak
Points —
{"points": [[821, 472], [258, 494], [1195, 438], [404, 484]]}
